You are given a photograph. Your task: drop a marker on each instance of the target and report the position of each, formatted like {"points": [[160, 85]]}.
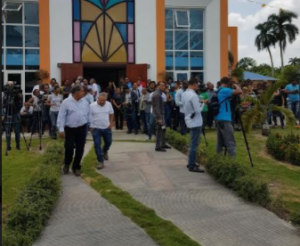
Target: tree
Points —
{"points": [[246, 63], [283, 29], [294, 61], [230, 62], [289, 73], [262, 105], [263, 69], [265, 39]]}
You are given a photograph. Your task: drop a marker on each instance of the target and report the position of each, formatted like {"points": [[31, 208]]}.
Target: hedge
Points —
{"points": [[35, 203], [227, 171], [284, 148]]}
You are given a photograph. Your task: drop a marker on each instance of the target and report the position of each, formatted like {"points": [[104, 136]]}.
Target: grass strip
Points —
{"points": [[28, 216], [163, 232]]}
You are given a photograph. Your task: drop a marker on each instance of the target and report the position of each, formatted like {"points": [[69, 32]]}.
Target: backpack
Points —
{"points": [[215, 104]]}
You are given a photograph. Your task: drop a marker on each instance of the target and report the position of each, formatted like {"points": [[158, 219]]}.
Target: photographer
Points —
{"points": [[36, 103], [293, 98], [12, 103], [224, 119], [193, 119], [26, 117]]}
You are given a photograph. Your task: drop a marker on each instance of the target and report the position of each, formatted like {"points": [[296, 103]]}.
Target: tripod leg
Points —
{"points": [[245, 138], [40, 131], [27, 146]]}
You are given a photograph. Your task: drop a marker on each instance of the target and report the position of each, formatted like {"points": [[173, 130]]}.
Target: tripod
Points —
{"points": [[9, 121], [39, 122], [238, 114]]}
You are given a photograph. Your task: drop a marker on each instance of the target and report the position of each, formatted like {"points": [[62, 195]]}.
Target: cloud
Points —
{"points": [[247, 32]]}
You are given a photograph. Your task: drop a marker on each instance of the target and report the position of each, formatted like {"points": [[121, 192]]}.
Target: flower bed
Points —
{"points": [[285, 148]]}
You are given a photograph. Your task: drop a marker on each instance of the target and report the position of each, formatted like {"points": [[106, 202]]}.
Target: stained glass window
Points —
{"points": [[104, 31]]}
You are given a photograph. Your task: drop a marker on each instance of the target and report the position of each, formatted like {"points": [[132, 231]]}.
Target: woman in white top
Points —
{"points": [[54, 101]]}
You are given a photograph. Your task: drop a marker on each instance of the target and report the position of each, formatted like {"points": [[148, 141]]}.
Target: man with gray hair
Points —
{"points": [[101, 119], [72, 123]]}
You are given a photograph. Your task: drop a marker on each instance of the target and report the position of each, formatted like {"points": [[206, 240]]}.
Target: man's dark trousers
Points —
{"points": [[74, 136]]}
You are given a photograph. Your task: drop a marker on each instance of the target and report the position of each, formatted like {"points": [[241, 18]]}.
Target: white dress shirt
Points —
{"points": [[192, 105]]}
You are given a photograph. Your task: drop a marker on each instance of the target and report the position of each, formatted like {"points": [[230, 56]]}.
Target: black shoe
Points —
{"points": [[196, 165], [136, 132], [66, 169], [77, 172], [105, 156], [166, 147], [196, 170], [129, 132], [160, 150]]}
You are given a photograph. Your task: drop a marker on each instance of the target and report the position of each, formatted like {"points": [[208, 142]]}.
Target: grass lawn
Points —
{"points": [[17, 169], [283, 178]]}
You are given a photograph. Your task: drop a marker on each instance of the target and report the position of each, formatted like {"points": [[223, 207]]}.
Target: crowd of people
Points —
{"points": [[147, 107]]}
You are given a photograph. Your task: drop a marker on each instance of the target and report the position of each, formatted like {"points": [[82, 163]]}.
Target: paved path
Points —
{"points": [[203, 209], [83, 218]]}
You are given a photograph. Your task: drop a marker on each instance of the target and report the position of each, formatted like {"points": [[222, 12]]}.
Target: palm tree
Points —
{"points": [[264, 40], [262, 105], [294, 61], [283, 29], [246, 63]]}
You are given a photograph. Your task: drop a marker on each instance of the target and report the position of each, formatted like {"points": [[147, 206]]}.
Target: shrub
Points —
{"points": [[33, 207], [228, 171], [232, 174], [296, 219], [285, 148]]}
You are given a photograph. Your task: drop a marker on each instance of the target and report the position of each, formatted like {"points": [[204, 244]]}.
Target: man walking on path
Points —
{"points": [[101, 119], [159, 115], [72, 121], [193, 120]]}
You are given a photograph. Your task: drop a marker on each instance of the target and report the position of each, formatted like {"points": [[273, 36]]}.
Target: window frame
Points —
{"points": [[189, 51], [12, 10], [188, 18]]}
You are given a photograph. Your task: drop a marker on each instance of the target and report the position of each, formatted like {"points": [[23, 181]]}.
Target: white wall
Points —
{"points": [[211, 34], [145, 31], [212, 43], [60, 35]]}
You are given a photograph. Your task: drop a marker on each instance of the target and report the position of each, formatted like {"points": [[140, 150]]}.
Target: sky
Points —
{"points": [[246, 15]]}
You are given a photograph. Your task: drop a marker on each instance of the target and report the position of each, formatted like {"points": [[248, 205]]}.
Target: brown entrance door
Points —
{"points": [[133, 71], [71, 71]]}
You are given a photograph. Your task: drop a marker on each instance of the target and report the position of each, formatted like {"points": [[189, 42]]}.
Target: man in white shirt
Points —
{"points": [[37, 86], [178, 101], [95, 89], [101, 120]]}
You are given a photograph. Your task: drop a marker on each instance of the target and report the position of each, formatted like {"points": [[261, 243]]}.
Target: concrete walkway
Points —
{"points": [[203, 209], [83, 218]]}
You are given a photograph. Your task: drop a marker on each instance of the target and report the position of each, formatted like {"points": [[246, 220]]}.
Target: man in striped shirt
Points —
{"points": [[193, 119]]}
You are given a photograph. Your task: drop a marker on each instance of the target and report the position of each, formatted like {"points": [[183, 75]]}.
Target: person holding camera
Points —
{"points": [[293, 98], [12, 103], [193, 119], [26, 117], [36, 103], [225, 131], [72, 121]]}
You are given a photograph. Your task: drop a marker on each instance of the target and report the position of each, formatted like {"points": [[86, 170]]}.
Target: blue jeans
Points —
{"points": [[294, 107], [131, 121], [168, 115], [182, 124], [195, 141], [13, 122], [107, 137], [53, 117]]}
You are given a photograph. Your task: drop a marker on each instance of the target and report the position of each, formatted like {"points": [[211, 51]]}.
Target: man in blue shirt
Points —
{"points": [[72, 122], [224, 125], [293, 100]]}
